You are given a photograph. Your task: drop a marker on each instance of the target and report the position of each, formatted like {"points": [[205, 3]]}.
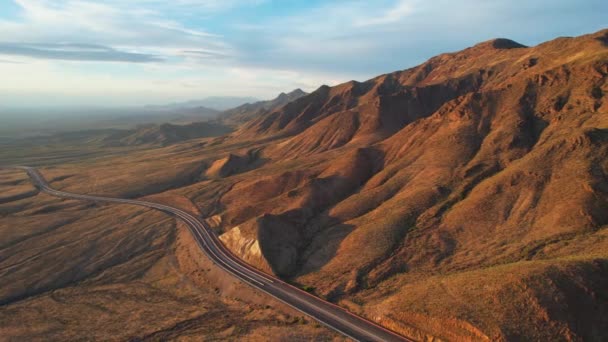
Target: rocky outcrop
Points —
{"points": [[230, 165], [245, 247], [267, 242]]}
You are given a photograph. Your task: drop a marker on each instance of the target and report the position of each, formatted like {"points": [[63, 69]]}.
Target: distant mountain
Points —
{"points": [[148, 134], [23, 122], [166, 134], [213, 102], [248, 111]]}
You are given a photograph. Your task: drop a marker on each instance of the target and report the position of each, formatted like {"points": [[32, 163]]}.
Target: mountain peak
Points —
{"points": [[291, 95], [602, 36], [246, 112], [501, 44], [297, 92]]}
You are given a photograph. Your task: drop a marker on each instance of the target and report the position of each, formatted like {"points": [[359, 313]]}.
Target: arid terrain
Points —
{"points": [[462, 199]]}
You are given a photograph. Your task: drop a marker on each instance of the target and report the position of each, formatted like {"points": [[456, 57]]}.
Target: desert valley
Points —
{"points": [[463, 199]]}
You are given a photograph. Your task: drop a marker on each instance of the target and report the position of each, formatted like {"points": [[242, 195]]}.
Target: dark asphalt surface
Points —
{"points": [[324, 312]]}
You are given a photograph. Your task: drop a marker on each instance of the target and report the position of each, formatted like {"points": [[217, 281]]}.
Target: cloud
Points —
{"points": [[202, 54], [6, 61], [401, 10], [232, 47], [201, 6], [366, 38], [118, 27], [75, 52]]}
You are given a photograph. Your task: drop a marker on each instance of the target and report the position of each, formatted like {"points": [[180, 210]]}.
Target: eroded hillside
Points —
{"points": [[492, 158]]}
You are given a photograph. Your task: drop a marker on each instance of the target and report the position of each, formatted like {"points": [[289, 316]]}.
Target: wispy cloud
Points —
{"points": [[75, 52], [203, 54], [204, 6], [398, 12], [366, 38], [251, 47], [6, 61], [119, 27]]}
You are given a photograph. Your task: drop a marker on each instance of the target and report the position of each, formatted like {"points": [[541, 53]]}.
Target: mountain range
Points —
{"points": [[465, 198], [474, 183]]}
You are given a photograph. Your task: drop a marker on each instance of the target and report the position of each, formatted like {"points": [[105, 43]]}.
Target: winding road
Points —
{"points": [[324, 312]]}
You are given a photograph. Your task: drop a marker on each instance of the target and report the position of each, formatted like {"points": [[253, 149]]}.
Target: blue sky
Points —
{"points": [[117, 52]]}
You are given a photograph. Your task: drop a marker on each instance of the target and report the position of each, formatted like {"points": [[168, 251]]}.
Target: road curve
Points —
{"points": [[324, 312]]}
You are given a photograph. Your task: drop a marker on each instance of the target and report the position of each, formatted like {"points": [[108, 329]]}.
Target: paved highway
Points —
{"points": [[326, 313]]}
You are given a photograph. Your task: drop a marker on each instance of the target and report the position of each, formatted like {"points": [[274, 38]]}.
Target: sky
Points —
{"points": [[135, 52]]}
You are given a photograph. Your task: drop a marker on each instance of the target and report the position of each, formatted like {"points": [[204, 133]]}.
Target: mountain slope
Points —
{"points": [[493, 155]]}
